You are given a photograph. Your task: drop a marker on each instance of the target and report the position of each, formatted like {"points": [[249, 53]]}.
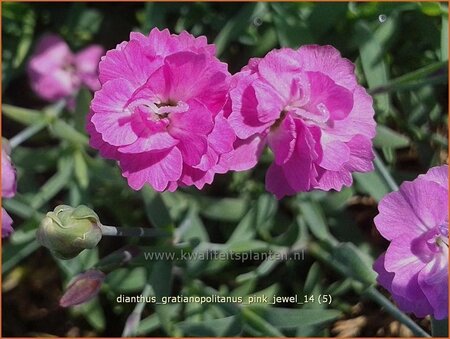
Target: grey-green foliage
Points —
{"points": [[402, 61]]}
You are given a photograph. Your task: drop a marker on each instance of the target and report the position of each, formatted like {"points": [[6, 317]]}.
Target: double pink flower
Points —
{"points": [[307, 106], [170, 114], [159, 112]]}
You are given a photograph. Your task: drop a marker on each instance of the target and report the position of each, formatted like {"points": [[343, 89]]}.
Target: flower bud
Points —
{"points": [[83, 288], [67, 231]]}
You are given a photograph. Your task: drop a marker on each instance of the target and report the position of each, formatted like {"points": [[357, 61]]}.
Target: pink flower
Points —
{"points": [[414, 269], [307, 106], [159, 111], [56, 73], [9, 189]]}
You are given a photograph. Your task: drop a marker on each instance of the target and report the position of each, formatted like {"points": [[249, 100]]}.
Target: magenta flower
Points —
{"points": [[307, 106], [56, 73], [9, 189], [414, 269], [159, 111]]}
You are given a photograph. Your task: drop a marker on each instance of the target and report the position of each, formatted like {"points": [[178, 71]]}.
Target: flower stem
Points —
{"points": [[439, 328], [116, 259], [131, 231], [370, 291], [260, 324], [133, 320], [380, 299], [51, 112], [385, 173], [26, 134]]}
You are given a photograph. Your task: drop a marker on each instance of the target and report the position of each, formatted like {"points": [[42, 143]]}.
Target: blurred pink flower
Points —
{"points": [[414, 269], [9, 189], [83, 288], [159, 111], [56, 73], [307, 106]]}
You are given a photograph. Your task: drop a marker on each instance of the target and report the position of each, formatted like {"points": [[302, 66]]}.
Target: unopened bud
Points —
{"points": [[67, 231], [83, 288]]}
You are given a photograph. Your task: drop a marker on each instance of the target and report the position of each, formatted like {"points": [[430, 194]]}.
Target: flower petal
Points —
{"points": [[153, 142], [328, 60], [245, 155], [437, 174], [9, 182], [130, 62], [186, 76], [433, 280], [111, 118], [419, 305], [86, 62], [106, 150], [6, 224], [335, 154], [325, 93], [191, 129], [255, 107], [278, 68], [196, 177], [154, 168], [299, 170], [406, 266], [359, 121], [282, 140], [416, 208]]}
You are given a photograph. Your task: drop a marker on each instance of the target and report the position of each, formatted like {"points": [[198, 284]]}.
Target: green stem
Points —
{"points": [[385, 173], [51, 113], [439, 328], [132, 232], [27, 133], [117, 259], [320, 253], [424, 75], [20, 252], [432, 80], [380, 299], [258, 323], [133, 320], [323, 255]]}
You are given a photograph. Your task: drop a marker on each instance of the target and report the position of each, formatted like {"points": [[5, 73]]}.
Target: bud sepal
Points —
{"points": [[67, 231], [83, 288]]}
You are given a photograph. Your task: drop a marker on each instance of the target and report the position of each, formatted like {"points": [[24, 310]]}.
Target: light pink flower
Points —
{"points": [[159, 111], [9, 189], [307, 106], [414, 269], [56, 72]]}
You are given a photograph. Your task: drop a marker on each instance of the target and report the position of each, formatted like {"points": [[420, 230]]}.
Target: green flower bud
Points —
{"points": [[67, 231]]}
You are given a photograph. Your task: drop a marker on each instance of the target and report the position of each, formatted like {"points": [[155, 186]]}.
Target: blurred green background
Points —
{"points": [[401, 55]]}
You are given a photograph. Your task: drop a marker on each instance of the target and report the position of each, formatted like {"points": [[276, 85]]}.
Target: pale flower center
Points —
{"points": [[432, 242], [69, 67], [301, 106], [157, 109]]}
